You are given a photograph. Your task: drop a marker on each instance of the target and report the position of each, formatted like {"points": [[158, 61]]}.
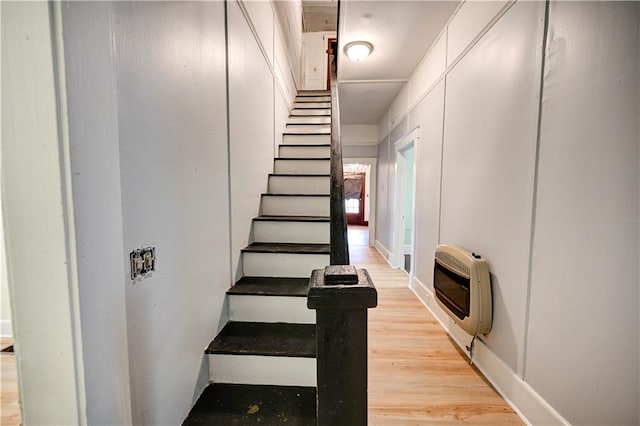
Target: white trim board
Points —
{"points": [[525, 401], [384, 252]]}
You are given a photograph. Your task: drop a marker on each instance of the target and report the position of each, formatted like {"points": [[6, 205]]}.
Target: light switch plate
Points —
{"points": [[142, 261]]}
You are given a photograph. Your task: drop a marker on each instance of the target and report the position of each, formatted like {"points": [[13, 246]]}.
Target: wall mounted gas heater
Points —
{"points": [[463, 288]]}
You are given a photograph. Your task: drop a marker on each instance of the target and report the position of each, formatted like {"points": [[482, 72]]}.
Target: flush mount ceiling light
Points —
{"points": [[358, 51]]}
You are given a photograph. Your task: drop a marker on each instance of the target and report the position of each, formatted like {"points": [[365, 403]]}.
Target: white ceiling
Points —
{"points": [[401, 33], [319, 15]]}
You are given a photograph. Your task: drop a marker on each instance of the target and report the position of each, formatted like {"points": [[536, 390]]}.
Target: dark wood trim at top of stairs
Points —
{"points": [[267, 339], [293, 218], [293, 248], [270, 286]]}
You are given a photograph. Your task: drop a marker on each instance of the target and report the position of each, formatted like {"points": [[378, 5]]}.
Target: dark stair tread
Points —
{"points": [[267, 339], [304, 134], [293, 218], [312, 116], [268, 194], [302, 158], [326, 145], [270, 286], [288, 248], [298, 175], [233, 404]]}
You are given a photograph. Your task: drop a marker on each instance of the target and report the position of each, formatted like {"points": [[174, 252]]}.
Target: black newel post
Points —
{"points": [[341, 296]]}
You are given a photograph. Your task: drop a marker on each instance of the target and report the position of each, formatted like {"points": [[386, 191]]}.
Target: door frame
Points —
{"points": [[408, 141], [373, 163], [328, 52]]}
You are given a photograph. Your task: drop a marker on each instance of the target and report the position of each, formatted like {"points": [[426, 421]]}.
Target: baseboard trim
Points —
{"points": [[6, 330], [525, 401], [386, 254]]}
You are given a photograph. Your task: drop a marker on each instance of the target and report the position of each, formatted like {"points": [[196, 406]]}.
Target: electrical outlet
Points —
{"points": [[142, 261]]}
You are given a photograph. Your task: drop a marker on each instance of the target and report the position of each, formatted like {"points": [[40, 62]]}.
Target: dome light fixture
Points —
{"points": [[358, 51]]}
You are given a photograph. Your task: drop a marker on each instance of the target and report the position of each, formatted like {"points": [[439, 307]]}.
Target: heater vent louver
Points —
{"points": [[452, 263]]}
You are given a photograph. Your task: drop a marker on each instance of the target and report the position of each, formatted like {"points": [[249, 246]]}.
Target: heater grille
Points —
{"points": [[450, 262]]}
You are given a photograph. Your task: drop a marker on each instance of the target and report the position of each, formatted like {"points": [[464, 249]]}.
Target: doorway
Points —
{"points": [[332, 48], [404, 223], [356, 193]]}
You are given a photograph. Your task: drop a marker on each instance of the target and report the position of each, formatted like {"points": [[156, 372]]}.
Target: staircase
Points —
{"points": [[262, 364]]}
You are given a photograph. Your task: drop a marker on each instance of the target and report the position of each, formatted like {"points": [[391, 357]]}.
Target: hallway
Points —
{"points": [[417, 376]]}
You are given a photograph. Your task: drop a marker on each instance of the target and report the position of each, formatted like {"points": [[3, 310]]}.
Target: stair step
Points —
{"points": [[310, 111], [313, 98], [309, 119], [304, 151], [233, 404], [314, 92], [304, 130], [298, 184], [309, 127], [294, 205], [305, 105], [302, 166], [267, 339], [271, 286], [291, 230], [284, 259], [288, 248], [308, 139], [260, 353], [270, 300]]}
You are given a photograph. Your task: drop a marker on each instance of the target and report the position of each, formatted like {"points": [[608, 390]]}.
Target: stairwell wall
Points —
{"points": [[262, 86], [540, 185], [145, 109]]}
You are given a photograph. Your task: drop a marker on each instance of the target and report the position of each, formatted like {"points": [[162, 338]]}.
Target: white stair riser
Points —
{"points": [[318, 111], [304, 151], [309, 128], [269, 231], [313, 98], [309, 120], [299, 185], [270, 309], [306, 139], [302, 167], [262, 370], [305, 131], [295, 206], [312, 104], [295, 265]]}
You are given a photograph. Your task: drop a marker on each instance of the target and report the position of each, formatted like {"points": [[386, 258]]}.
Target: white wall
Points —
{"points": [[583, 346], [260, 98], [122, 107], [170, 74], [539, 204], [95, 163]]}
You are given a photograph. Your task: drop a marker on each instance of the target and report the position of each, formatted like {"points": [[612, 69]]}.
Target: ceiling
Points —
{"points": [[319, 15], [401, 33]]}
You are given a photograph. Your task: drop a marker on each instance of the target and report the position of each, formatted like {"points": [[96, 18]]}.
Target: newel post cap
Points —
{"points": [[341, 287]]}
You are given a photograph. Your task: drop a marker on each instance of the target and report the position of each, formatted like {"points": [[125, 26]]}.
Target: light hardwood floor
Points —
{"points": [[10, 414], [417, 376]]}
